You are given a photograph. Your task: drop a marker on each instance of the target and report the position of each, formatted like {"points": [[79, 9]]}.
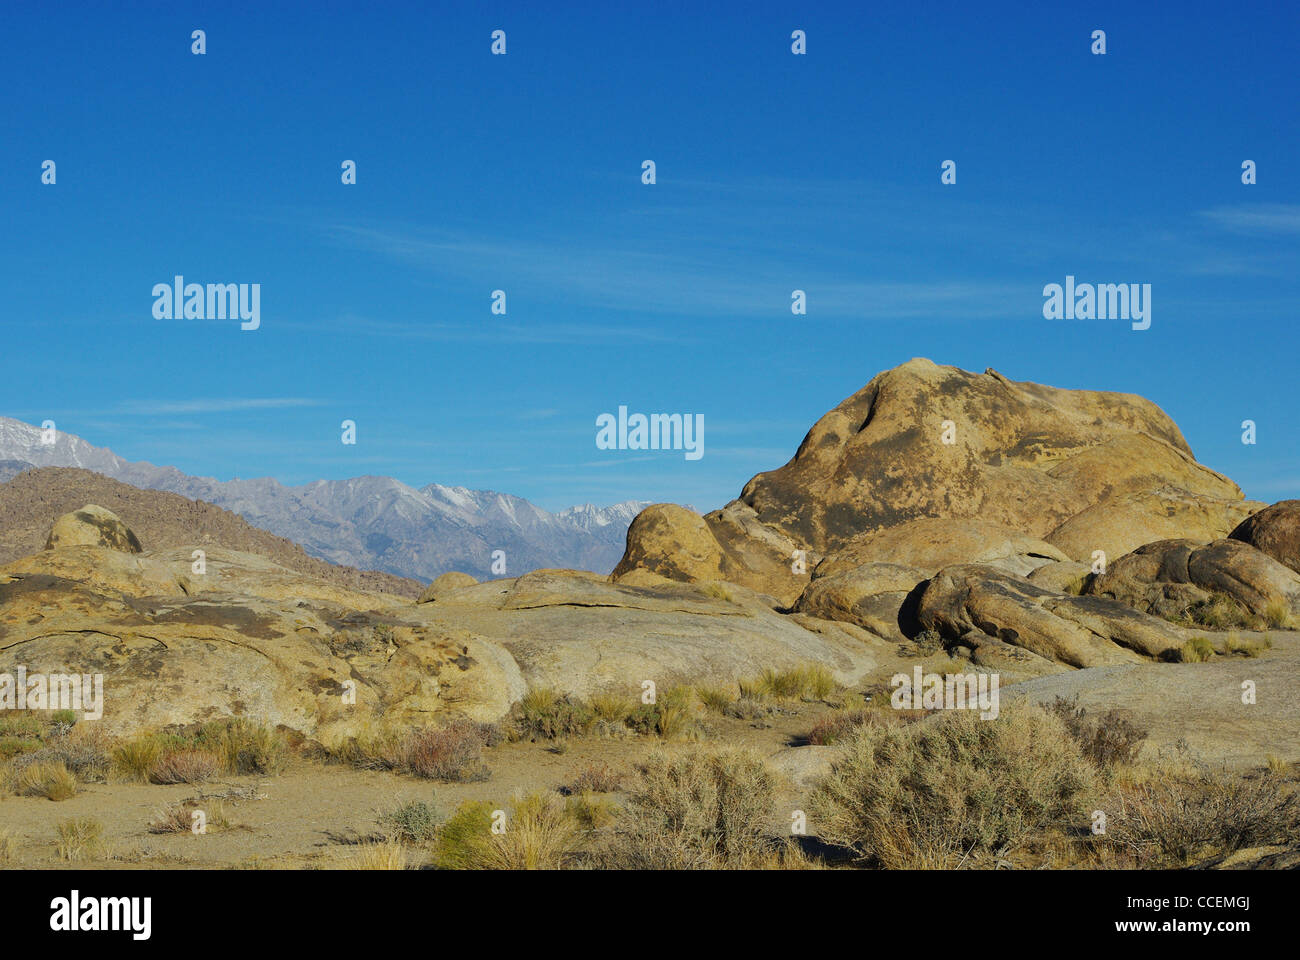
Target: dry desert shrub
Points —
{"points": [[810, 682], [1109, 740], [1172, 820], [595, 778], [385, 855], [699, 809], [8, 846], [51, 780], [80, 839], [539, 834], [1196, 650], [185, 766], [451, 753], [415, 822], [947, 792], [179, 817]]}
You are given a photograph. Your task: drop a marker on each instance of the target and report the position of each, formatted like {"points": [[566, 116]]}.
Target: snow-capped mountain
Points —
{"points": [[375, 523]]}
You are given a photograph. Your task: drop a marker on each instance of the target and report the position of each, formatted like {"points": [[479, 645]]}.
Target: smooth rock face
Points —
{"points": [[1274, 530], [873, 596], [1025, 456], [1168, 576], [931, 544], [92, 526], [246, 637], [445, 584], [1081, 470], [1123, 523], [673, 542], [1063, 576], [973, 601]]}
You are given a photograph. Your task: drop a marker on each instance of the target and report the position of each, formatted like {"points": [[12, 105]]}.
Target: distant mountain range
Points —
{"points": [[373, 523]]}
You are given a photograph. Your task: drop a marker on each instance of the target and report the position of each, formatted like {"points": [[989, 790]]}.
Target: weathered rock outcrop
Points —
{"points": [[1169, 576], [971, 602], [1274, 530], [925, 441], [931, 544], [872, 595], [92, 526]]}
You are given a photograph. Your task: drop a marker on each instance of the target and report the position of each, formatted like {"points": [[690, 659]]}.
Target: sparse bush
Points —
{"points": [[50, 780], [136, 758], [1107, 741], [179, 817], [694, 810], [245, 746], [611, 708], [748, 708], [415, 822], [811, 682], [834, 727], [927, 642], [717, 699], [79, 839], [673, 716], [590, 810], [1277, 614], [185, 766], [1172, 820], [452, 753], [545, 714], [83, 750], [1196, 650], [597, 778], [539, 834], [8, 846], [1251, 647], [387, 855], [935, 794]]}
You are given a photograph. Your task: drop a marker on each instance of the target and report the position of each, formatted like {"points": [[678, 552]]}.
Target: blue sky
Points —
{"points": [[523, 172]]}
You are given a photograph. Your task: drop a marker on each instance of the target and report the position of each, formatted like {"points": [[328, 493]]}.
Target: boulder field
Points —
{"points": [[1037, 532]]}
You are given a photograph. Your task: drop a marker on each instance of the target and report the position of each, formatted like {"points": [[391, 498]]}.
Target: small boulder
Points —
{"points": [[445, 584], [673, 542], [92, 526], [873, 596], [1276, 531]]}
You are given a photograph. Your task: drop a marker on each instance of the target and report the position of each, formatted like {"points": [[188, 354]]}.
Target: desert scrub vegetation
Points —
{"points": [[696, 809], [1222, 612], [1177, 819], [955, 791], [80, 839], [51, 780], [8, 846], [810, 682], [235, 745], [539, 832], [594, 778], [452, 752], [1108, 741], [1234, 645], [377, 855], [545, 714], [1196, 650], [414, 822], [180, 817]]}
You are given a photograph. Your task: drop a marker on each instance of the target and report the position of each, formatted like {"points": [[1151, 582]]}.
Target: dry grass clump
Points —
{"points": [[675, 715], [1196, 650], [1246, 646], [1174, 820], [810, 682], [80, 839], [51, 780], [383, 855], [699, 809], [8, 846], [545, 714], [539, 833], [1222, 612], [954, 790], [235, 745], [180, 817]]}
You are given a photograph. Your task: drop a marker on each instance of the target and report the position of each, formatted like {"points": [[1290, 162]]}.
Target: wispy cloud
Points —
{"points": [[1256, 218], [212, 405]]}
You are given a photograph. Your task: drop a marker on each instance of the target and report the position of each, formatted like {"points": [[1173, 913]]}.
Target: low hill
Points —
{"points": [[31, 501]]}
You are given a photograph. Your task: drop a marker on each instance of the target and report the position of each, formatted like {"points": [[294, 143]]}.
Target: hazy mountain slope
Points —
{"points": [[32, 501], [368, 522]]}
